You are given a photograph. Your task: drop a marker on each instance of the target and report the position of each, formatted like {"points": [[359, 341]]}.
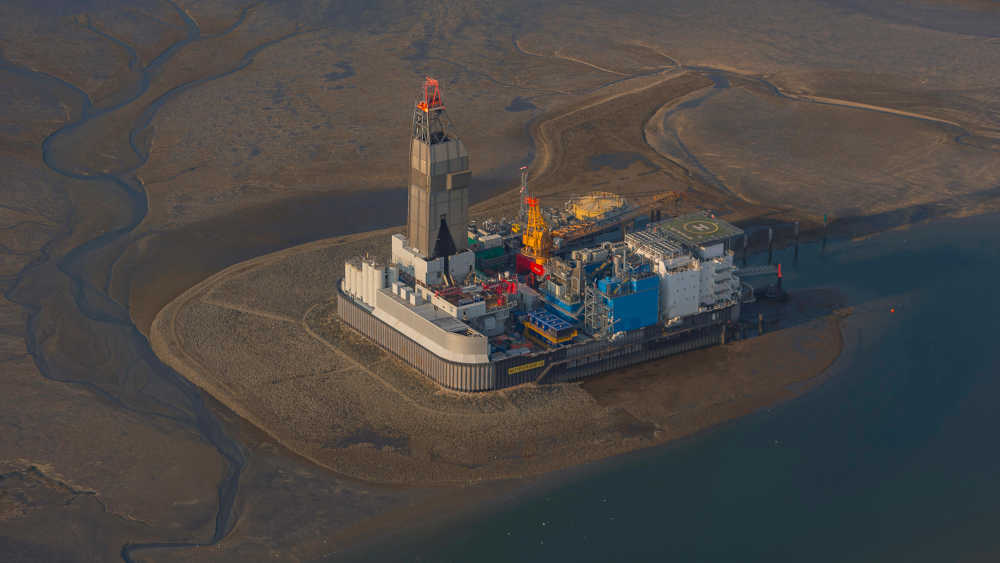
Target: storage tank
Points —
{"points": [[378, 281], [366, 274], [594, 205], [359, 285], [352, 273]]}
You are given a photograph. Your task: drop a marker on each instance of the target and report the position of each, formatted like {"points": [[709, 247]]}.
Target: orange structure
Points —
{"points": [[537, 239], [432, 95]]}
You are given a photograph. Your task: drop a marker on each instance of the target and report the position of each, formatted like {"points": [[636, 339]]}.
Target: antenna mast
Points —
{"points": [[524, 195]]}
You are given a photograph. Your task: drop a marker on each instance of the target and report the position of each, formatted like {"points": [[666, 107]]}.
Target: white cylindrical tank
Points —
{"points": [[379, 281], [360, 287], [351, 275], [366, 282], [359, 282], [356, 281]]}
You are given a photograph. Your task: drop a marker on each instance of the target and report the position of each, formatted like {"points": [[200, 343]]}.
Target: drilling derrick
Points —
{"points": [[549, 295], [438, 204]]}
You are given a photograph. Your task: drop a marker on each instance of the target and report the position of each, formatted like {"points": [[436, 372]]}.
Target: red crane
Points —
{"points": [[432, 95]]}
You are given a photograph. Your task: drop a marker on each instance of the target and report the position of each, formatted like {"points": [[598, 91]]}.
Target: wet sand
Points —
{"points": [[762, 145]]}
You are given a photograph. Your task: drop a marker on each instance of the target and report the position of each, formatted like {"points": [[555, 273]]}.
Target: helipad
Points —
{"points": [[698, 228], [701, 227]]}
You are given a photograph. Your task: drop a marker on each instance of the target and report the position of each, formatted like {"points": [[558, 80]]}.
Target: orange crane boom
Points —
{"points": [[537, 239]]}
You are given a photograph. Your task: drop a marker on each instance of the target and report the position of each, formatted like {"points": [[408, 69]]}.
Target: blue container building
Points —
{"points": [[632, 304]]}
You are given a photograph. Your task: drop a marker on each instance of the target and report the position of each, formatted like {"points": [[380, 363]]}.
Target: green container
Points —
{"points": [[489, 253]]}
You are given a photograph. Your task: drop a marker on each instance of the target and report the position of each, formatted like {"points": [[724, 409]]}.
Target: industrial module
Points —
{"points": [[552, 295]]}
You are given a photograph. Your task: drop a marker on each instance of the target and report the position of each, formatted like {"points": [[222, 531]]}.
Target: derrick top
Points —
{"points": [[431, 99]]}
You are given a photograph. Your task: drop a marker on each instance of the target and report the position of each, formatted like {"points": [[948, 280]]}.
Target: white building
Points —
{"points": [[430, 271], [693, 279]]}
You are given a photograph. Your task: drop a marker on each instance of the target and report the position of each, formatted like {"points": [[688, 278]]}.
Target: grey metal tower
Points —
{"points": [[438, 212]]}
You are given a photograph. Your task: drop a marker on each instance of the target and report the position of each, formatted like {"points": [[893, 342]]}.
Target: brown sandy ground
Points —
{"points": [[604, 142], [858, 159], [597, 143], [290, 509], [53, 476], [263, 337], [78, 475], [239, 163]]}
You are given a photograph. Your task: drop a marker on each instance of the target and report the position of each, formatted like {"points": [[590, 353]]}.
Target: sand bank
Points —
{"points": [[263, 337]]}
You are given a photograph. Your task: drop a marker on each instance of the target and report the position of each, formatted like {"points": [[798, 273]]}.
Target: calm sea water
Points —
{"points": [[894, 458]]}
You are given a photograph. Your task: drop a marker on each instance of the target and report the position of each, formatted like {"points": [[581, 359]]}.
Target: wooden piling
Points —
{"points": [[825, 228], [796, 242], [770, 245]]}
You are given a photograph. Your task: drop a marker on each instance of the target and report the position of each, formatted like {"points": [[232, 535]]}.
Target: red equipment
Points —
{"points": [[432, 95], [501, 289]]}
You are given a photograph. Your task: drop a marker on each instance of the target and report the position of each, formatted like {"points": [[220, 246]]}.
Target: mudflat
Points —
{"points": [[147, 145]]}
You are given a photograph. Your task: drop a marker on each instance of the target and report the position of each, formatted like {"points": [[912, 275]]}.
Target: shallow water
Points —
{"points": [[889, 460]]}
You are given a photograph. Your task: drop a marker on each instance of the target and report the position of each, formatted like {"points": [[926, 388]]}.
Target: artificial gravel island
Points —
{"points": [[467, 350]]}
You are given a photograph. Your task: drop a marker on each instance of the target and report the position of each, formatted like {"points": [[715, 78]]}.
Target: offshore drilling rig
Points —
{"points": [[439, 180], [553, 295]]}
